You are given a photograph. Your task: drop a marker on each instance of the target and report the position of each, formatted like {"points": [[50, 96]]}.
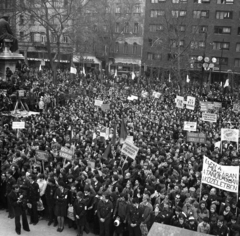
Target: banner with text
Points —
{"points": [[179, 102], [196, 137], [210, 117], [66, 153], [190, 126], [129, 149], [222, 177]]}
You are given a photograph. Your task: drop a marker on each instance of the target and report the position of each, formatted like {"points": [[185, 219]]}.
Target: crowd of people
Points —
{"points": [[99, 189]]}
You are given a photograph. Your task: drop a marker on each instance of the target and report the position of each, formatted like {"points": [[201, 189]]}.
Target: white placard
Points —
{"points": [[156, 94], [190, 126], [210, 117], [129, 139], [129, 149], [73, 70], [190, 102], [179, 102], [66, 153], [98, 103], [230, 135], [18, 125], [132, 97], [222, 177]]}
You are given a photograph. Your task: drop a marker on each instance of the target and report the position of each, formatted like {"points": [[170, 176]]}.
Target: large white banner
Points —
{"points": [[190, 126], [222, 177], [230, 135], [190, 104]]}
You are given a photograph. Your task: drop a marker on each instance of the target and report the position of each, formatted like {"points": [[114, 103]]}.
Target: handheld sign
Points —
{"points": [[41, 155], [179, 102], [129, 149], [66, 153], [18, 125], [196, 137], [98, 103], [210, 117], [190, 102], [190, 126]]}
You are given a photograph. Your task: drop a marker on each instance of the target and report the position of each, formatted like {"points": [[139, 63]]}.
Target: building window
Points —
{"points": [[21, 20], [135, 48], [238, 47], [126, 28], [221, 46], [237, 62], [201, 44], [150, 42], [222, 30], [203, 29], [221, 15], [157, 1], [182, 28], [155, 28], [136, 28], [177, 14], [150, 56], [137, 9], [225, 1], [65, 39], [117, 28], [156, 13], [116, 47], [194, 45], [200, 14], [21, 35], [222, 61], [179, 1], [125, 48]]}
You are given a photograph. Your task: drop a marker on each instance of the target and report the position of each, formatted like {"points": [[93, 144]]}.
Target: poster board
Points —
{"points": [[179, 102], [196, 137], [190, 104], [66, 153], [98, 103], [42, 155], [190, 126], [129, 149], [210, 117], [18, 125]]}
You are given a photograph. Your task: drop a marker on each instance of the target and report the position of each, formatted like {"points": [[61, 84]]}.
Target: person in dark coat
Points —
{"points": [[18, 201], [6, 33], [49, 194], [104, 211], [61, 198], [10, 182], [79, 209], [34, 196]]}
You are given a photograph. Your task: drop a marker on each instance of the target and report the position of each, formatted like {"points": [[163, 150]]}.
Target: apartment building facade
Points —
{"points": [[178, 33]]}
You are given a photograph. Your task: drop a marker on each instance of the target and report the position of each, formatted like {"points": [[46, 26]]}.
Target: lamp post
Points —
{"points": [[206, 64]]}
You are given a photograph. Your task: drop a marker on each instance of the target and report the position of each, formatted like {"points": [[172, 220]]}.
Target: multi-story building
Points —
{"points": [[180, 34]]}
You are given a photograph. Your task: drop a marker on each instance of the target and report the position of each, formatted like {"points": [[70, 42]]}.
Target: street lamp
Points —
{"points": [[206, 64]]}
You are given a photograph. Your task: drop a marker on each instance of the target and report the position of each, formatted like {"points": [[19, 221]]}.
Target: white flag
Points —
{"points": [[73, 70], [221, 84], [40, 67], [133, 75], [226, 83], [83, 71], [116, 73], [187, 80], [169, 78]]}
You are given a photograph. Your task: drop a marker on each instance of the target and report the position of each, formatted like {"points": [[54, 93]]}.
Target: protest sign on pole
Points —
{"points": [[18, 125], [98, 103], [73, 70], [66, 153], [129, 149], [230, 135], [42, 155], [190, 126], [156, 94], [222, 177], [203, 106], [217, 105], [190, 104], [210, 117], [129, 139], [179, 102], [196, 137], [236, 107]]}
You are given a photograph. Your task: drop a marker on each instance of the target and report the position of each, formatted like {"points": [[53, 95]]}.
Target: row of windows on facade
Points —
{"points": [[195, 29], [220, 60], [196, 1], [42, 38], [195, 44], [197, 14]]}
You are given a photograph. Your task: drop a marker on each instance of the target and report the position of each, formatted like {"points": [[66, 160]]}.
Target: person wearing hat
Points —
{"points": [[79, 209], [104, 211], [204, 226], [234, 226], [18, 201], [192, 223], [61, 199]]}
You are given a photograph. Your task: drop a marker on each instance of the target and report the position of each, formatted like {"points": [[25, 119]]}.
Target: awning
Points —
{"points": [[128, 61], [86, 59]]}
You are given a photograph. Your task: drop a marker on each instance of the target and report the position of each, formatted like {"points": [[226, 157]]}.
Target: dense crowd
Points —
{"points": [[101, 190]]}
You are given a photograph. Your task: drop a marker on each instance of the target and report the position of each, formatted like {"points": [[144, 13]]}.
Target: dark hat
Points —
{"points": [[80, 194], [135, 200], [206, 219], [51, 180], [220, 218]]}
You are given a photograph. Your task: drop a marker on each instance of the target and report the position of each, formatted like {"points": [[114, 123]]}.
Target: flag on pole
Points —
{"points": [[169, 78], [116, 73], [40, 67], [113, 140], [133, 75], [123, 131], [83, 71], [221, 84], [226, 83], [107, 151], [188, 79]]}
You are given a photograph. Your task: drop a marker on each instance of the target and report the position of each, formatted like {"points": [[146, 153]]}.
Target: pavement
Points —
{"points": [[7, 228]]}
